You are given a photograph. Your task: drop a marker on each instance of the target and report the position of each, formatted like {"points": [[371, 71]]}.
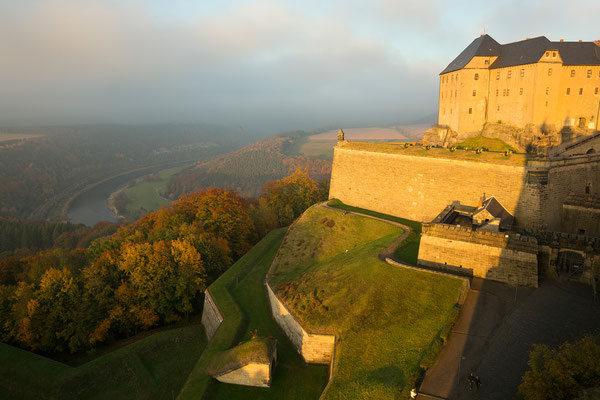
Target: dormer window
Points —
{"points": [[547, 54], [487, 62]]}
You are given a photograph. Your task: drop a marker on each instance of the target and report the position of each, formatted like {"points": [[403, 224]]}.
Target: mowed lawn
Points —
{"points": [[241, 298], [145, 194], [388, 320], [155, 367]]}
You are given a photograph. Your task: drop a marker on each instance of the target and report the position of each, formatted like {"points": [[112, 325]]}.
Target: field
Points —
{"points": [[420, 151], [388, 321], [7, 137], [145, 195], [241, 298], [492, 144], [154, 368], [318, 148]]}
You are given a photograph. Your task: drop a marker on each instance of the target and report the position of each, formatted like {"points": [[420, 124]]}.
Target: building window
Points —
{"points": [[470, 111], [549, 71], [452, 79], [476, 77], [508, 74], [547, 90], [504, 92], [450, 111], [572, 73], [589, 73], [588, 188], [507, 92], [580, 91], [521, 91], [546, 104], [568, 90], [596, 91], [498, 91], [522, 73], [474, 92], [487, 62], [553, 54], [498, 75], [498, 108]]}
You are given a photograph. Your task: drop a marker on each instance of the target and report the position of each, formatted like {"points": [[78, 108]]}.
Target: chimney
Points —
{"points": [[562, 40], [580, 40], [528, 38], [597, 43], [480, 204]]}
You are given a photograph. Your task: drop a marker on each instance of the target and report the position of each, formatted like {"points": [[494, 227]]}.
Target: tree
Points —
{"points": [[562, 373], [220, 212], [290, 196]]}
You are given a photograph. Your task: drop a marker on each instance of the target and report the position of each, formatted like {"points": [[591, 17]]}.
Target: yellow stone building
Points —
{"points": [[535, 81]]}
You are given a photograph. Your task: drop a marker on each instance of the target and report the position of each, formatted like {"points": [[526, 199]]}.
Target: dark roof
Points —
{"points": [[526, 52], [482, 46], [497, 210]]}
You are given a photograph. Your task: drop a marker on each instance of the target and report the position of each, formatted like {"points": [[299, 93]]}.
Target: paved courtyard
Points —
{"points": [[494, 334]]}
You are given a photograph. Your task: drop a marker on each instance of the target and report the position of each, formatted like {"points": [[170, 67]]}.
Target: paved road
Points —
{"points": [[494, 334]]}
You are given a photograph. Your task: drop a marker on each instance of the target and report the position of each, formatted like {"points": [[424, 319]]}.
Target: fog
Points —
{"points": [[271, 65]]}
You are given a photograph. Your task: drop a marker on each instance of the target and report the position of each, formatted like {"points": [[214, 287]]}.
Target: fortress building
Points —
{"points": [[535, 82]]}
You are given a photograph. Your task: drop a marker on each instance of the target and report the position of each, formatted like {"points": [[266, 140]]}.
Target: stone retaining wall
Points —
{"points": [[314, 348], [211, 316], [489, 255]]}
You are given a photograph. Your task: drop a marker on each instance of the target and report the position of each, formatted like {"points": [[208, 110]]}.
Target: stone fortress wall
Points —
{"points": [[419, 188], [314, 348], [509, 258], [211, 316]]}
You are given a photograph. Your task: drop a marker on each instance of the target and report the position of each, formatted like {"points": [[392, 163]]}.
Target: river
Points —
{"points": [[91, 206]]}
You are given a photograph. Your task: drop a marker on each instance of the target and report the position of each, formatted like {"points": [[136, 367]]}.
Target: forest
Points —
{"points": [[70, 296], [62, 160], [247, 169]]}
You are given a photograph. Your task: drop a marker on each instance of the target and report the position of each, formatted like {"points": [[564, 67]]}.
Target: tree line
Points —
{"points": [[148, 273]]}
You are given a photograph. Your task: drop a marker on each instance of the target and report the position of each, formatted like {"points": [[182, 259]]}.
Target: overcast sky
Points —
{"points": [[273, 65]]}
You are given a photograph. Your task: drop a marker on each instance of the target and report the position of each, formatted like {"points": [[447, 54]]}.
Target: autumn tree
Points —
{"points": [[290, 196], [562, 373], [220, 212]]}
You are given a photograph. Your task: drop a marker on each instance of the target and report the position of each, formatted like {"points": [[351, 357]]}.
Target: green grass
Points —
{"points": [[145, 195], [388, 320], [492, 144], [517, 160], [152, 368], [241, 298], [408, 250]]}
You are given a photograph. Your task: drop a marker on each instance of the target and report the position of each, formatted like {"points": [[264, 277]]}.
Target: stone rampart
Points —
{"points": [[420, 187], [497, 256], [314, 348], [211, 316]]}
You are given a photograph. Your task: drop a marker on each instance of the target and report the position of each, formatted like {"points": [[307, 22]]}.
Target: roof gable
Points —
{"points": [[483, 46]]}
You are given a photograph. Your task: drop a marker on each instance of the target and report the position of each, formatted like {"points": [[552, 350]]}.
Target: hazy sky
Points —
{"points": [[274, 65]]}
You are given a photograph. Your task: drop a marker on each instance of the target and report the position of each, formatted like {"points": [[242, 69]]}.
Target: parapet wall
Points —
{"points": [[314, 348], [211, 316], [489, 255]]}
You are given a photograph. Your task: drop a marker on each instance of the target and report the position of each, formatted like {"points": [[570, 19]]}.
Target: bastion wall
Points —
{"points": [[211, 316], [419, 188]]}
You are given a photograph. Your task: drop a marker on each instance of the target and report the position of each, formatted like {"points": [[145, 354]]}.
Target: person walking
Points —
{"points": [[413, 393], [471, 380], [477, 383]]}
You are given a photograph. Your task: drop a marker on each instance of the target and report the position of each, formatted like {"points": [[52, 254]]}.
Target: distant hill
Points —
{"points": [[248, 169]]}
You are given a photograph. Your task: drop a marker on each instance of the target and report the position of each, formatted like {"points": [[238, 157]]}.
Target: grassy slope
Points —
{"points": [[154, 367], [146, 194], [493, 144], [408, 250], [241, 298], [386, 318]]}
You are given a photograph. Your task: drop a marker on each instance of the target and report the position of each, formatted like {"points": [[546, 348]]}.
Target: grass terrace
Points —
{"points": [[152, 368], [516, 160], [389, 321], [241, 297]]}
